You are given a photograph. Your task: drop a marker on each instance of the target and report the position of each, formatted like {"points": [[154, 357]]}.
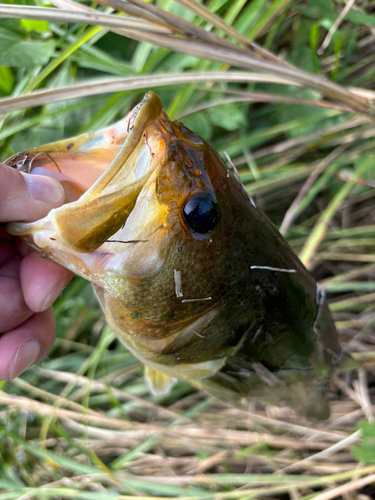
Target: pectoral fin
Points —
{"points": [[159, 382]]}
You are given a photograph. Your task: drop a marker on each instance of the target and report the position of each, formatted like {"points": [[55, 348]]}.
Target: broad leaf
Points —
{"points": [[16, 51]]}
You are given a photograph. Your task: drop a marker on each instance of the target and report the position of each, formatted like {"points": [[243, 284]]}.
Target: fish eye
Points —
{"points": [[201, 214]]}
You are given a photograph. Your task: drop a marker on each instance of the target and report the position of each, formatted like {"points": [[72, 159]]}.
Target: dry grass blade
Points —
{"points": [[264, 97], [304, 140], [145, 10], [345, 489], [321, 227], [85, 17], [115, 4], [336, 24], [216, 52], [329, 451], [202, 11], [95, 87], [291, 213]]}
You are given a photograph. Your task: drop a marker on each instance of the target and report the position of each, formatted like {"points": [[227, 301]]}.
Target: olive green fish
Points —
{"points": [[191, 275]]}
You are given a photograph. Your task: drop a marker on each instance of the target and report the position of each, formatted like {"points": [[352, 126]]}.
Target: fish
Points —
{"points": [[192, 276]]}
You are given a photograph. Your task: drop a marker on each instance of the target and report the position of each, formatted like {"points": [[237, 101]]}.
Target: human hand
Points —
{"points": [[29, 284]]}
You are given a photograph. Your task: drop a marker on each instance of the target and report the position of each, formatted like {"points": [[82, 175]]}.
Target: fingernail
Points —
{"points": [[26, 355], [44, 188], [48, 301]]}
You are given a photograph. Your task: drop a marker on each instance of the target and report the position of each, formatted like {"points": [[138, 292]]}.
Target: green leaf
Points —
{"points": [[358, 17], [31, 25], [337, 52], [368, 430], [314, 36], [13, 25], [6, 79], [199, 124], [365, 452], [324, 9], [228, 117], [366, 165], [16, 51], [318, 9]]}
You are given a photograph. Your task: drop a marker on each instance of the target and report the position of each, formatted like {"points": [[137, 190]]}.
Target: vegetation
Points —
{"points": [[83, 425]]}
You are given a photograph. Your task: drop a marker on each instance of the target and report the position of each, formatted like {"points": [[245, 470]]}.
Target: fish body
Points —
{"points": [[192, 276]]}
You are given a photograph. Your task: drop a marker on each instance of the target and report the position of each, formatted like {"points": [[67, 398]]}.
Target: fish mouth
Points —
{"points": [[109, 177]]}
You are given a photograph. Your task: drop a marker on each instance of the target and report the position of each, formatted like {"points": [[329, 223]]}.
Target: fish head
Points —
{"points": [[165, 215]]}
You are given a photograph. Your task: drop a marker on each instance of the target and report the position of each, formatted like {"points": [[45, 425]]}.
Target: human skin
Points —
{"points": [[29, 284]]}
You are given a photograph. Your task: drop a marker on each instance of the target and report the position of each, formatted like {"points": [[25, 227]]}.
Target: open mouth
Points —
{"points": [[108, 176]]}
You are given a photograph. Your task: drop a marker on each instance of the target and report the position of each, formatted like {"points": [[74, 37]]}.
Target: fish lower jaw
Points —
{"points": [[44, 238]]}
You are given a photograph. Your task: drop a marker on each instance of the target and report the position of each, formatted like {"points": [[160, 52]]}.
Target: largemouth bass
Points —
{"points": [[191, 275]]}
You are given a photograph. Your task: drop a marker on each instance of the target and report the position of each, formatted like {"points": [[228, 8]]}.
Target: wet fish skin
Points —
{"points": [[231, 309]]}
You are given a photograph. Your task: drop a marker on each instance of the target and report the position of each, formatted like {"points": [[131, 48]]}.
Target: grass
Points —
{"points": [[82, 424]]}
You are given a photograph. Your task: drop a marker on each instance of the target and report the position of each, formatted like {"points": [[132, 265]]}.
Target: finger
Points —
{"points": [[26, 197], [26, 344], [13, 308], [42, 280]]}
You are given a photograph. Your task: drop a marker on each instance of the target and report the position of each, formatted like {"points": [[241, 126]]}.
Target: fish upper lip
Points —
{"points": [[99, 148]]}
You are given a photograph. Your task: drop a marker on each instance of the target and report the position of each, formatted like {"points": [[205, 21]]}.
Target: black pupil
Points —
{"points": [[201, 214]]}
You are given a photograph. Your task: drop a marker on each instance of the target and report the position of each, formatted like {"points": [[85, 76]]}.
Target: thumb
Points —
{"points": [[26, 197]]}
